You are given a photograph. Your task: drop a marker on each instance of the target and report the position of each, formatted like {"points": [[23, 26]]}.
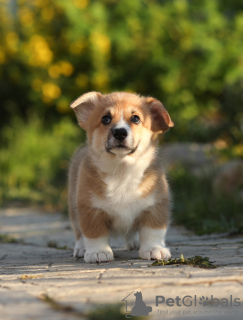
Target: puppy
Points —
{"points": [[116, 183]]}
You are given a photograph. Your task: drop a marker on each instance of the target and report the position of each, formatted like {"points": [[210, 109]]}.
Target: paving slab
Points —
{"points": [[41, 263]]}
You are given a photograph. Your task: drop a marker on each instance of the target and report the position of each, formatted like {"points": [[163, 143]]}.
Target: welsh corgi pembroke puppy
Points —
{"points": [[117, 184]]}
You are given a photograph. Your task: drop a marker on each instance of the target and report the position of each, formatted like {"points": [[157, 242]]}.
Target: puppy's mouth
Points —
{"points": [[121, 147]]}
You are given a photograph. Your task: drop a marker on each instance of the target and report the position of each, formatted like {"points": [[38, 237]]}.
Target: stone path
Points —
{"points": [[54, 272]]}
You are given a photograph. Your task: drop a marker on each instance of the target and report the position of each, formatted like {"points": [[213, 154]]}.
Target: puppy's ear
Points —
{"points": [[84, 105], [161, 121]]}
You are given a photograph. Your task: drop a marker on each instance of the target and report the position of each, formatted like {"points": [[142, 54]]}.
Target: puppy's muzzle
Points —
{"points": [[119, 134]]}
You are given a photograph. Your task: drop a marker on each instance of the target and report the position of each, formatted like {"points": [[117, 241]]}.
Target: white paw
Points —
{"points": [[157, 253], [79, 249], [102, 256]]}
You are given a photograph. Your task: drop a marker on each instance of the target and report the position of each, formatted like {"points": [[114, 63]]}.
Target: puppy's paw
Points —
{"points": [[102, 256], [78, 251], [157, 253]]}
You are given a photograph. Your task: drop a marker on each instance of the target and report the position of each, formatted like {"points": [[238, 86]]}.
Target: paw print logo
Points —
{"points": [[203, 300]]}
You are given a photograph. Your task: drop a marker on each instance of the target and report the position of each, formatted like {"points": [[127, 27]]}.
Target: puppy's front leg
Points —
{"points": [[153, 227], [95, 227], [153, 244], [97, 250]]}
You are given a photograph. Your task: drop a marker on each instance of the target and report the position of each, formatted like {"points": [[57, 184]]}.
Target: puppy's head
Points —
{"points": [[121, 124]]}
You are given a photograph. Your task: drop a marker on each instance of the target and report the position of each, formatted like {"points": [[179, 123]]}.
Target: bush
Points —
{"points": [[186, 53], [199, 207], [34, 161]]}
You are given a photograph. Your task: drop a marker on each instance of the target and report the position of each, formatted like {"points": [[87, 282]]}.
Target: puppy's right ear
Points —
{"points": [[84, 105]]}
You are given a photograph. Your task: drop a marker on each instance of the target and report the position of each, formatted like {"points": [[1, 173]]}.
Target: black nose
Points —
{"points": [[119, 134]]}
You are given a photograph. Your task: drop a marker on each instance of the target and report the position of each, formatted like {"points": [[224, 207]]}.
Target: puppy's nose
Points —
{"points": [[119, 134]]}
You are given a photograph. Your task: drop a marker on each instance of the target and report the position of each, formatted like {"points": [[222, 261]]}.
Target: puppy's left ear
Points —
{"points": [[161, 121], [84, 105]]}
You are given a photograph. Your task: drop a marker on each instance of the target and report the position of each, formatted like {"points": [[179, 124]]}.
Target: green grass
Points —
{"points": [[34, 162], [198, 207]]}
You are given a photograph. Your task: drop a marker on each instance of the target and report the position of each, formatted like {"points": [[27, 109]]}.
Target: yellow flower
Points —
{"points": [[101, 41], [54, 71], [41, 3], [50, 91], [65, 68], [62, 67], [12, 41], [26, 16], [39, 51], [81, 4], [238, 150]]}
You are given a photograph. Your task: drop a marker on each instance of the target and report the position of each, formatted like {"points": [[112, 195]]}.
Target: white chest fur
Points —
{"points": [[124, 201]]}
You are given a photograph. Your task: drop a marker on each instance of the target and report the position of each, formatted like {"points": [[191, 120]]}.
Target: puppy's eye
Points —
{"points": [[106, 119], [135, 119]]}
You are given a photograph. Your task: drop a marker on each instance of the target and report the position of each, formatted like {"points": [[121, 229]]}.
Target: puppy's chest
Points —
{"points": [[123, 199]]}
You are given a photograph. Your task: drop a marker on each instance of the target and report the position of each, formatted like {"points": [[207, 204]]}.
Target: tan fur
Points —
{"points": [[87, 173]]}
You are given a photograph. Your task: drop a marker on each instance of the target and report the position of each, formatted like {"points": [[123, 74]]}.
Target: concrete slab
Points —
{"points": [[74, 283]]}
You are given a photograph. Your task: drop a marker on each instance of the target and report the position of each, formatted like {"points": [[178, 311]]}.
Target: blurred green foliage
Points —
{"points": [[200, 207], [186, 53], [34, 161]]}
